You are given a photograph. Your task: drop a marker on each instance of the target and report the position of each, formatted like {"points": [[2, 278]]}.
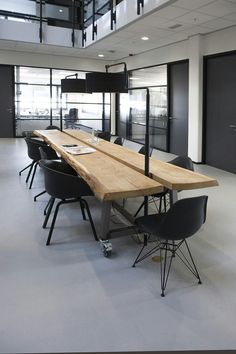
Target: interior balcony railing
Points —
{"points": [[72, 14]]}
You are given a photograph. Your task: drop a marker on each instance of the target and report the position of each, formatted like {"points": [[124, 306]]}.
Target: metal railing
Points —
{"points": [[80, 14]]}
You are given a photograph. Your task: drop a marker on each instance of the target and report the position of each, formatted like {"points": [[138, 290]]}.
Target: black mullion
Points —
{"points": [[50, 96]]}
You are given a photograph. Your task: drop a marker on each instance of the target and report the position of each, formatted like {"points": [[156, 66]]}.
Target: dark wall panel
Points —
{"points": [[178, 108], [220, 112], [6, 101]]}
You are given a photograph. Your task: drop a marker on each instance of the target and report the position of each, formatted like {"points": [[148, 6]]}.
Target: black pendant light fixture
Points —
{"points": [[69, 85], [108, 82]]}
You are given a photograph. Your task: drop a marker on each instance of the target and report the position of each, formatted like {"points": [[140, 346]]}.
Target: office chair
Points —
{"points": [[180, 161], [46, 156], [71, 118], [106, 135], [142, 150], [172, 229], [49, 127], [34, 154], [118, 141], [62, 182]]}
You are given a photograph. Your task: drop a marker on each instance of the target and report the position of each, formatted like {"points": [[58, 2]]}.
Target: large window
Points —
{"points": [[133, 107], [39, 103]]}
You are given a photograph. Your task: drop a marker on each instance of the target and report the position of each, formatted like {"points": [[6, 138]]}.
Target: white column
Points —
{"points": [[195, 98]]}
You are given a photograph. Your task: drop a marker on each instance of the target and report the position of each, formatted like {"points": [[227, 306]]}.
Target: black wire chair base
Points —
{"points": [[141, 257], [158, 204], [175, 250]]}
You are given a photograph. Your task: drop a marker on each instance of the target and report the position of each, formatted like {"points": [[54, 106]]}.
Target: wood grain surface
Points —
{"points": [[172, 177], [107, 177]]}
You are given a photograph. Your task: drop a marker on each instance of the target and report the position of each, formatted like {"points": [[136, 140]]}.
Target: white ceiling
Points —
{"points": [[191, 16]]}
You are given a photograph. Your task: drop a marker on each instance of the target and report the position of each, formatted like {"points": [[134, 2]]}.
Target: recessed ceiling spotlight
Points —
{"points": [[101, 55], [60, 10], [145, 38]]}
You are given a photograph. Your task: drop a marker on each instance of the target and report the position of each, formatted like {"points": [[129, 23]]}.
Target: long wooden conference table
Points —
{"points": [[114, 172]]}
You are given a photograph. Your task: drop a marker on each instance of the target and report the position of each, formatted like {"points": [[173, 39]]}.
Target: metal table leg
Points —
{"points": [[106, 245], [173, 197]]}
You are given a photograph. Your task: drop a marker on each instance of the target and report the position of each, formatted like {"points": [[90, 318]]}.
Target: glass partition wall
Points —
{"points": [[132, 123], [39, 103]]}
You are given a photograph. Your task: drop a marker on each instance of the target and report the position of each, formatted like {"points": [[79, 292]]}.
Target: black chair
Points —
{"points": [[71, 118], [62, 182], [49, 127], [172, 229], [104, 135], [180, 161], [118, 141], [34, 154], [142, 150], [45, 156]]}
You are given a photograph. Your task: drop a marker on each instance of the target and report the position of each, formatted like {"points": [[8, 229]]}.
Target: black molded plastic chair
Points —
{"points": [[180, 161], [105, 135], [142, 150], [71, 118], [62, 182], [34, 154], [172, 229], [118, 141], [44, 155], [49, 127]]}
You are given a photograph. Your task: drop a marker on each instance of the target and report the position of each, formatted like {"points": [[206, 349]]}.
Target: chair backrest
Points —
{"points": [[73, 114], [33, 148], [142, 150], [105, 135], [47, 153], [52, 127], [184, 218], [184, 162], [118, 141], [62, 181]]}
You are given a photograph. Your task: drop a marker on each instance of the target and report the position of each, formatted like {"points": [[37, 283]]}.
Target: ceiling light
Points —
{"points": [[60, 10], [101, 55], [144, 38]]}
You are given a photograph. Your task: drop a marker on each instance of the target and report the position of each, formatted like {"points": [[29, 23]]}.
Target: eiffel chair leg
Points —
{"points": [[165, 268], [190, 265], [139, 209]]}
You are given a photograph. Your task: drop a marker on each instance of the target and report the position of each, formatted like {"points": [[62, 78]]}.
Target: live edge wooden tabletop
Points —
{"points": [[172, 177], [107, 177]]}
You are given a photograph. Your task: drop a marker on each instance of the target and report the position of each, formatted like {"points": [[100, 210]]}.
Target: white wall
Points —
{"points": [[50, 61]]}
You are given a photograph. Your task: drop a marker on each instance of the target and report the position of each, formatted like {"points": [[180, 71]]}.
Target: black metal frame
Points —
{"points": [[165, 246]]}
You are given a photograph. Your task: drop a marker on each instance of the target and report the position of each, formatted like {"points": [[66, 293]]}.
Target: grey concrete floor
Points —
{"points": [[68, 297]]}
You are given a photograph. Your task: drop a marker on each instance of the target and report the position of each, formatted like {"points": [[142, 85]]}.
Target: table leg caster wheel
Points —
{"points": [[106, 247]]}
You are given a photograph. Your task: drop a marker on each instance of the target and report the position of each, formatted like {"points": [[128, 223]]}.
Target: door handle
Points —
{"points": [[232, 126], [171, 118]]}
